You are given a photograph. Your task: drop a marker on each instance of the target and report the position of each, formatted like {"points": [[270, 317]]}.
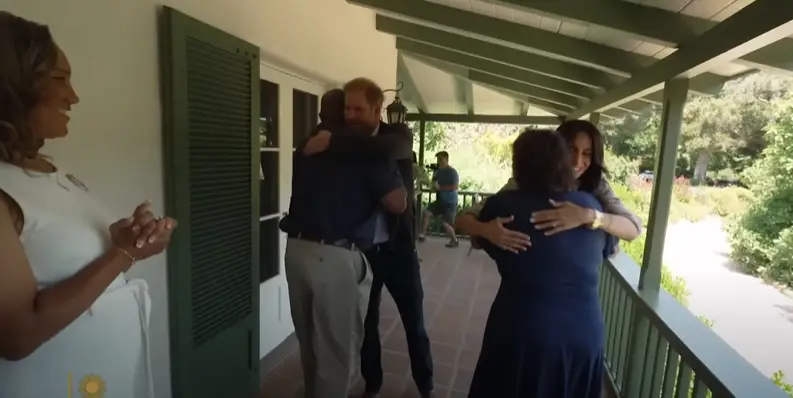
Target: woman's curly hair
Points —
{"points": [[28, 53], [541, 162]]}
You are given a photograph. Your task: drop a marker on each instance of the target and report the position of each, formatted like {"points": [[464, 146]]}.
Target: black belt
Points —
{"points": [[343, 243]]}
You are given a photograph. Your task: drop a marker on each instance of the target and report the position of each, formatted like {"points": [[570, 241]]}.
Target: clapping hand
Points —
{"points": [[143, 235]]}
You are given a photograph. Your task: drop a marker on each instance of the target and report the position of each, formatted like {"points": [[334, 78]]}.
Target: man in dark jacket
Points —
{"points": [[394, 264]]}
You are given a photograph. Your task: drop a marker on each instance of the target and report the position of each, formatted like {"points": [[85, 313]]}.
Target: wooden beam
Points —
{"points": [[736, 36], [411, 91], [495, 68], [663, 27], [497, 53], [464, 91], [495, 119], [536, 95], [494, 30]]}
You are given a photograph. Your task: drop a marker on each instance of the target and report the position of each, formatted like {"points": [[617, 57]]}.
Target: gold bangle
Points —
{"points": [[598, 221], [131, 258]]}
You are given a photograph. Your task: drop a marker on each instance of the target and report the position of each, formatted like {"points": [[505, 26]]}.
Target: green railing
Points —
{"points": [[467, 199], [655, 347]]}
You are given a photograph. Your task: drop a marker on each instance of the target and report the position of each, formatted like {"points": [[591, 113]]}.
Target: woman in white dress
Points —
{"points": [[71, 324]]}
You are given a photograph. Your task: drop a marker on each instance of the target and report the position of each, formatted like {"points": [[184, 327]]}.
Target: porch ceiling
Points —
{"points": [[572, 57]]}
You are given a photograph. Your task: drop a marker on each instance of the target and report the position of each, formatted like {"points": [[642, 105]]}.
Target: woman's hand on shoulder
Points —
{"points": [[512, 241], [562, 217]]}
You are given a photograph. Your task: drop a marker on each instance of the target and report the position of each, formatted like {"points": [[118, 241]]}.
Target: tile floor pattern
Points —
{"points": [[458, 291]]}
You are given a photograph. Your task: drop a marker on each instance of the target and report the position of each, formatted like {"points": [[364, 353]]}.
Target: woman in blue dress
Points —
{"points": [[544, 336]]}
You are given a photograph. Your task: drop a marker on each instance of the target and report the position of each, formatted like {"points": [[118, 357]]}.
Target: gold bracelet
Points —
{"points": [[129, 256]]}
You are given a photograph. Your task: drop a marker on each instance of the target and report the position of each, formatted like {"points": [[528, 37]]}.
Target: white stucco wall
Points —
{"points": [[115, 133]]}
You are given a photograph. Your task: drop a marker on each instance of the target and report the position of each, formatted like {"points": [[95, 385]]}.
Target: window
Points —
{"points": [[269, 234], [305, 109]]}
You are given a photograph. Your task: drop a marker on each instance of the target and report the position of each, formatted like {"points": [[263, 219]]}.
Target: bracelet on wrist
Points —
{"points": [[126, 253]]}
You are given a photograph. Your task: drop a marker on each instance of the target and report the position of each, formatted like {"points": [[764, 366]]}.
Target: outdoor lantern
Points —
{"points": [[396, 112]]}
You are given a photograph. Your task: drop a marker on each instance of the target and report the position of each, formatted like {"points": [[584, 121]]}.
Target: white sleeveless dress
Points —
{"points": [[107, 346]]}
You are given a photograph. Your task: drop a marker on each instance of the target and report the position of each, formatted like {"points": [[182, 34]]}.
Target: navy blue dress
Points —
{"points": [[544, 336]]}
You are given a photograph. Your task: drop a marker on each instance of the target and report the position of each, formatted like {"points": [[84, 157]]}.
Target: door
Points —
{"points": [[211, 155]]}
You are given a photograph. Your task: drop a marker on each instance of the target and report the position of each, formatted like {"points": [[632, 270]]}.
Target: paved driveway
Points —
{"points": [[754, 318]]}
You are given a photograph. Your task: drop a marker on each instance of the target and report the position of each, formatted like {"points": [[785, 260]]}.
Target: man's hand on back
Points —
{"points": [[318, 143]]}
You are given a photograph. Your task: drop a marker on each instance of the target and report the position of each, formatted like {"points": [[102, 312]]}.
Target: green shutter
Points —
{"points": [[211, 117]]}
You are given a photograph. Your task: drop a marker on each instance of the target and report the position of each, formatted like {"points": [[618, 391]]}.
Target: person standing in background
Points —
{"points": [[446, 181]]}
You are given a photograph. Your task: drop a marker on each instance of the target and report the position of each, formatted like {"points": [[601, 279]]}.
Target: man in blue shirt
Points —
{"points": [[446, 181], [334, 216]]}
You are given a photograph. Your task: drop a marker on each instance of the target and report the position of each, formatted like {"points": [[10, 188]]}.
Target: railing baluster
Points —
{"points": [[649, 361], [661, 359], [700, 390], [628, 316], [670, 373], [619, 316], [612, 321], [683, 387]]}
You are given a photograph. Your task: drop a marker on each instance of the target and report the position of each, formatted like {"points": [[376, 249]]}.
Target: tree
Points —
{"points": [[636, 136], [722, 132], [762, 239], [731, 123]]}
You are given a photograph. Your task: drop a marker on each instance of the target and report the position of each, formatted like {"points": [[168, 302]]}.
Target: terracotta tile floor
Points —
{"points": [[458, 291]]}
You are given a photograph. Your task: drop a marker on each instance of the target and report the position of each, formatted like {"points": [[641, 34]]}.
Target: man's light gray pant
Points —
{"points": [[329, 295]]}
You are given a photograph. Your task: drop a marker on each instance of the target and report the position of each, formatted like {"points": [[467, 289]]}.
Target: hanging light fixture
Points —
{"points": [[396, 112]]}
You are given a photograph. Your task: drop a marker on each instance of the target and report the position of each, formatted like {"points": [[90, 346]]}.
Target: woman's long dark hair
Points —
{"points": [[591, 178], [541, 162], [28, 53]]}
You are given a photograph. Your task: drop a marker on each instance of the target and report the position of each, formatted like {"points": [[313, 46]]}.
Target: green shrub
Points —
{"points": [[728, 201], [779, 379], [761, 239], [637, 200], [620, 168], [681, 190]]}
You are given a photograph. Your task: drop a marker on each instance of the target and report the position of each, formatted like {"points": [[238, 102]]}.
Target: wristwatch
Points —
{"points": [[598, 221]]}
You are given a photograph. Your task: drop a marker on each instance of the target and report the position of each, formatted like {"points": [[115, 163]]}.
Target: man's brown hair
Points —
{"points": [[372, 92]]}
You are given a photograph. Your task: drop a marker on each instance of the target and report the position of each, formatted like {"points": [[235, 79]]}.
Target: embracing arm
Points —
{"points": [[396, 144], [386, 185], [28, 316], [617, 219], [470, 223]]}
